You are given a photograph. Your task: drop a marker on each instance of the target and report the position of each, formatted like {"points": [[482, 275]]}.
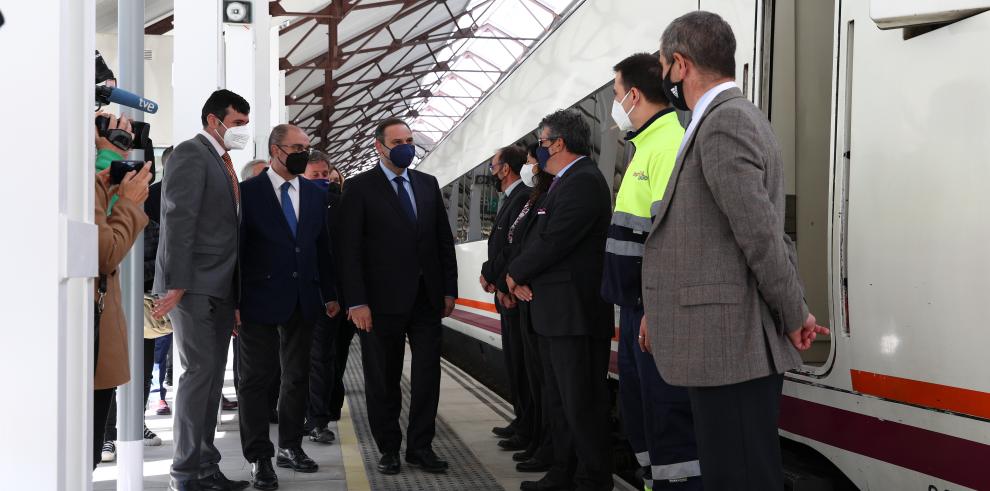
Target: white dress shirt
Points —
{"points": [[277, 182], [701, 107], [407, 184], [216, 145]]}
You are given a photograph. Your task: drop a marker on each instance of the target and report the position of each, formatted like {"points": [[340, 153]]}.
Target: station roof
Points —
{"points": [[351, 63]]}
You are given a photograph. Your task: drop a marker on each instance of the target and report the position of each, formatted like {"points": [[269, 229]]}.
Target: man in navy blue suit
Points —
{"points": [[286, 284], [399, 279]]}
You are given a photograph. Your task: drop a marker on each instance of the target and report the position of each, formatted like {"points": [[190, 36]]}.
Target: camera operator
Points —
{"points": [[107, 150], [120, 218]]}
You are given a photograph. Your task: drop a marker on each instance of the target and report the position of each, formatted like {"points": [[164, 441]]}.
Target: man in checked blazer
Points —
{"points": [[725, 314]]}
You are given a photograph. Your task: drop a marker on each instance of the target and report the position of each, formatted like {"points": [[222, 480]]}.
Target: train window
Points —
{"points": [[463, 200], [483, 204], [472, 203], [449, 197]]}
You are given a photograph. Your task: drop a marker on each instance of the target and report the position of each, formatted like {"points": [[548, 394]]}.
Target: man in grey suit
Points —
{"points": [[725, 314], [196, 271]]}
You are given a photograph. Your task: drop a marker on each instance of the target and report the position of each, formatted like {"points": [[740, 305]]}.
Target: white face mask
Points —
{"points": [[236, 138], [620, 115], [527, 176]]}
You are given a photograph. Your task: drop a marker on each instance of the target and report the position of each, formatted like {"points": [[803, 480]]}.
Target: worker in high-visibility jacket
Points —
{"points": [[656, 416]]}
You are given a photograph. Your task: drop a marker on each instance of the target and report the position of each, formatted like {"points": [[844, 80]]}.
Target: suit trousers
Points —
{"points": [[656, 416], [263, 347], [322, 370], [541, 444], [382, 351], [512, 350], [736, 428], [575, 370], [328, 361], [202, 326], [341, 349]]}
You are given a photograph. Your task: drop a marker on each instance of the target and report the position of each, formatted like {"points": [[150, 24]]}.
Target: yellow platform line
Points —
{"points": [[354, 470]]}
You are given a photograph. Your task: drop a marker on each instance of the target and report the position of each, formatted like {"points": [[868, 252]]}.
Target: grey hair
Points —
{"points": [[246, 171], [318, 156], [704, 38], [570, 126], [278, 134]]}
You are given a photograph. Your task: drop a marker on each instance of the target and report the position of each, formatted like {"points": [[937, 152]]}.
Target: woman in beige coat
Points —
{"points": [[120, 218]]}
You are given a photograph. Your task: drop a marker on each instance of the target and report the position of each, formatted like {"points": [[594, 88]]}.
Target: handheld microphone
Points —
{"points": [[107, 95]]}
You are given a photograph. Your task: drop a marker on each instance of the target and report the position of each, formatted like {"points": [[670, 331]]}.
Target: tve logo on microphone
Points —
{"points": [[147, 106]]}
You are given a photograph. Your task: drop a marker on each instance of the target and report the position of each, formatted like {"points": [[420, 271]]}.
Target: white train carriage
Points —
{"points": [[882, 110]]}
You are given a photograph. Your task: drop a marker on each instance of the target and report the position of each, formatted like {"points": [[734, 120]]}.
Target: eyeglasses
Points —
{"points": [[547, 139], [296, 148]]}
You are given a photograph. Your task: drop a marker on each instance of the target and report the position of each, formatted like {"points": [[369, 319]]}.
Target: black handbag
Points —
{"points": [[98, 310]]}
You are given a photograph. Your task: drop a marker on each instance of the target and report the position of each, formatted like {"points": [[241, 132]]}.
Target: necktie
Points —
{"points": [[233, 177], [404, 199], [552, 184], [287, 210]]}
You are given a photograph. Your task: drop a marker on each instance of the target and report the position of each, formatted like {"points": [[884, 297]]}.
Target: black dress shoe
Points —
{"points": [[515, 444], [264, 475], [389, 464], [227, 404], [522, 456], [321, 435], [533, 465], [191, 485], [427, 460], [296, 459], [219, 482], [540, 485], [503, 431]]}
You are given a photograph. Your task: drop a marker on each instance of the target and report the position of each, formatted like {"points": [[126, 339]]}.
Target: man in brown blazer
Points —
{"points": [[725, 314]]}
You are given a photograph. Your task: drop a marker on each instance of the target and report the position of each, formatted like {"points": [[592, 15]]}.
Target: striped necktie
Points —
{"points": [[233, 177]]}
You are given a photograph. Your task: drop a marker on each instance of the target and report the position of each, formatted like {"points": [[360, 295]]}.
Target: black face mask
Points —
{"points": [[296, 162], [674, 91], [334, 188]]}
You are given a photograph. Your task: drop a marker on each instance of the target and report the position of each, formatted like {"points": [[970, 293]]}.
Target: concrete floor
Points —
{"points": [[469, 408]]}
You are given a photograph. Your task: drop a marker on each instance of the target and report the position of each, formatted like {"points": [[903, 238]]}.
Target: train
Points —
{"points": [[881, 108]]}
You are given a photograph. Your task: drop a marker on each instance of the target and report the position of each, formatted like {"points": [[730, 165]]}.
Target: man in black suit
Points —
{"points": [[559, 271], [400, 278], [286, 285], [505, 167], [331, 337]]}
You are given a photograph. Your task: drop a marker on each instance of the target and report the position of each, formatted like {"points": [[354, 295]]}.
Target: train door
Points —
{"points": [[794, 88], [783, 64]]}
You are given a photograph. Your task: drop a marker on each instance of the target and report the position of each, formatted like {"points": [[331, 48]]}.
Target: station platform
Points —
{"points": [[468, 410]]}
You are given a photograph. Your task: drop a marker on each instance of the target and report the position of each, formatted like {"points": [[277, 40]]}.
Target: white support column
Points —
{"points": [[46, 360], [198, 66], [239, 55], [261, 105], [277, 83]]}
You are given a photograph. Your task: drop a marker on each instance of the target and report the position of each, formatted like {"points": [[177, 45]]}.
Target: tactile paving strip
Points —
{"points": [[465, 473]]}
